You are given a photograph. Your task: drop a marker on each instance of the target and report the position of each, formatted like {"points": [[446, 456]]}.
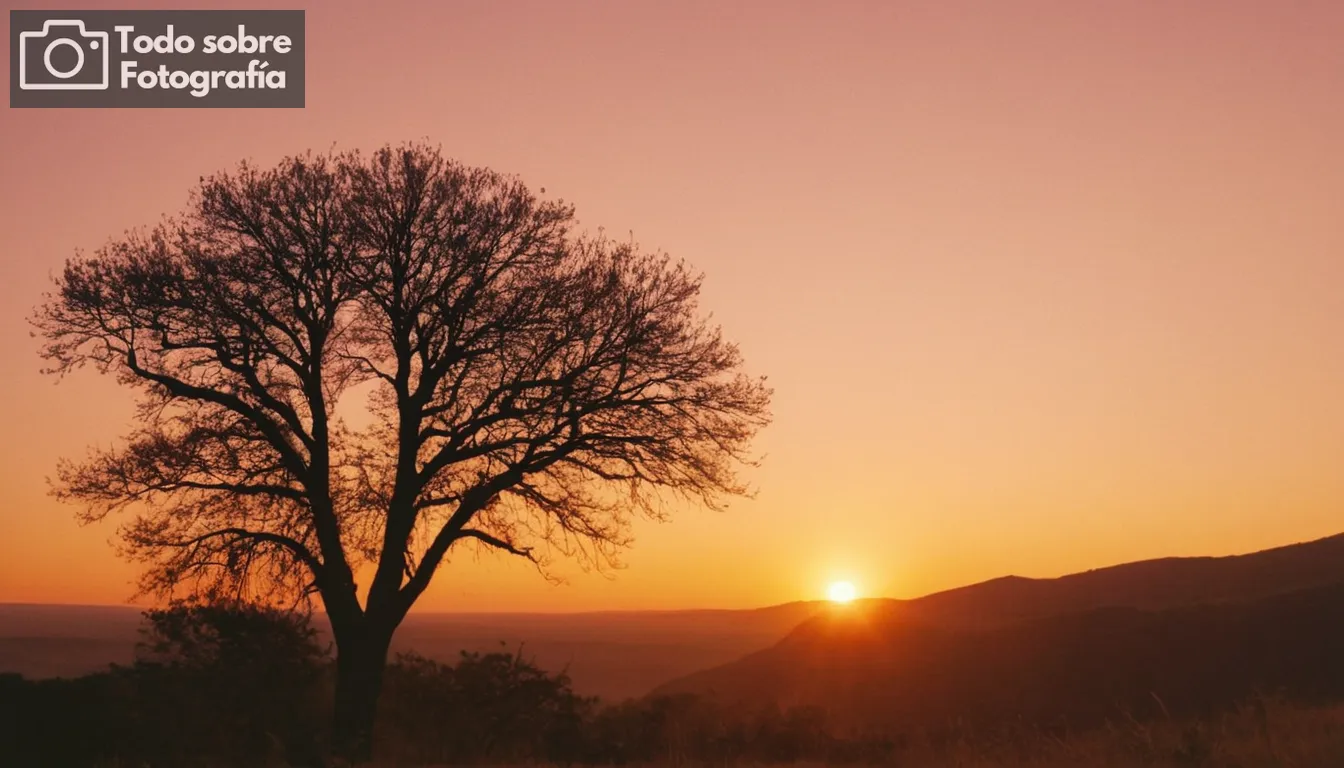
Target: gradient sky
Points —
{"points": [[1040, 286]]}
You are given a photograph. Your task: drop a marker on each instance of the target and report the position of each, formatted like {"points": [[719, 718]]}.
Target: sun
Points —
{"points": [[841, 592]]}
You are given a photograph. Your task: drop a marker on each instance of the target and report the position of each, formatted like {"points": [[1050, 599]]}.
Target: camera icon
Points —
{"points": [[64, 56]]}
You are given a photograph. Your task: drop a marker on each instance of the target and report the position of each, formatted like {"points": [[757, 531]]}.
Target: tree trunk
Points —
{"points": [[360, 661]]}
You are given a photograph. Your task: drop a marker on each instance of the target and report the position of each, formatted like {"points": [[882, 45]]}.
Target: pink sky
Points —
{"points": [[1040, 286]]}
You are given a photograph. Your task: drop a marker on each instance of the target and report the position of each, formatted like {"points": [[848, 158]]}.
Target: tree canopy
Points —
{"points": [[350, 363]]}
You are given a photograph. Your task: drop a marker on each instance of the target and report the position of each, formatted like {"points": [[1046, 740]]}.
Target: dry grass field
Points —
{"points": [[1264, 734]]}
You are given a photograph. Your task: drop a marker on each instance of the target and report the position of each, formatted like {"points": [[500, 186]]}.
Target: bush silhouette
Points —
{"points": [[489, 707], [228, 681], [236, 680], [233, 684]]}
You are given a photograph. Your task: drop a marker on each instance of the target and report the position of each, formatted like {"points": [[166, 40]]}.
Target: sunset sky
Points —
{"points": [[1040, 286]]}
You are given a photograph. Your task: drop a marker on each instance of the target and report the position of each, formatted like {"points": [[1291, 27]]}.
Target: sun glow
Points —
{"points": [[841, 592]]}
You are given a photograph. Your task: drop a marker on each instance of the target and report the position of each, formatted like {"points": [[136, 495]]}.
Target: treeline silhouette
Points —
{"points": [[241, 685]]}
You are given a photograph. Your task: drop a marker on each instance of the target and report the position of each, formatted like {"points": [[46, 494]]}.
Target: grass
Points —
{"points": [[1266, 733], [1263, 734]]}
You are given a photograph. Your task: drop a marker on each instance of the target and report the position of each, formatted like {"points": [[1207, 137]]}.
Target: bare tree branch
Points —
{"points": [[497, 543]]}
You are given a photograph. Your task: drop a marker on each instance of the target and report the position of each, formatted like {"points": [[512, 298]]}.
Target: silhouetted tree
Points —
{"points": [[527, 388]]}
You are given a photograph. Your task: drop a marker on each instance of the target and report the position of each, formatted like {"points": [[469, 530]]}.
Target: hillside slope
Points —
{"points": [[1184, 634], [1151, 584]]}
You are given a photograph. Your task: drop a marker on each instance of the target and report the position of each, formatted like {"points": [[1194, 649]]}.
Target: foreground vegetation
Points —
{"points": [[236, 686], [1262, 733]]}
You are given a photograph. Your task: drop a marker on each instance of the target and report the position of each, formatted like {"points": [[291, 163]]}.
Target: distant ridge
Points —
{"points": [[1160, 583], [612, 654]]}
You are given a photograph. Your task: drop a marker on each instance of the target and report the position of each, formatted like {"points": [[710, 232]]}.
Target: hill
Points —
{"points": [[1150, 584], [879, 669], [1184, 635]]}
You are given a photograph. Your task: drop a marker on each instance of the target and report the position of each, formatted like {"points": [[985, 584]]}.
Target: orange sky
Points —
{"points": [[1040, 286]]}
